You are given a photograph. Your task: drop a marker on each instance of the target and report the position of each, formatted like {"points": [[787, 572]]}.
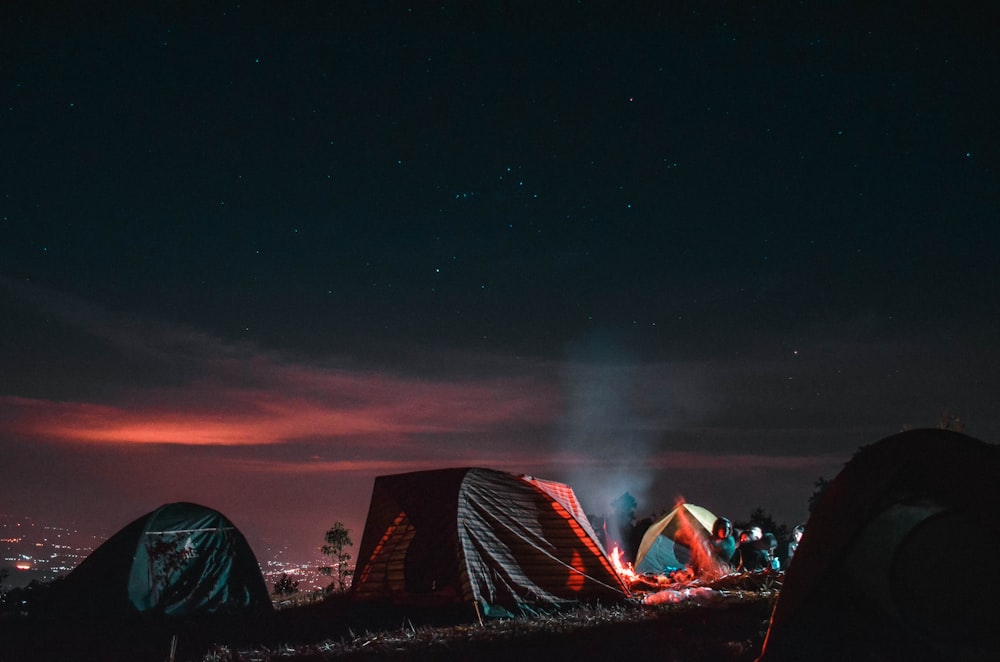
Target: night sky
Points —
{"points": [[255, 254]]}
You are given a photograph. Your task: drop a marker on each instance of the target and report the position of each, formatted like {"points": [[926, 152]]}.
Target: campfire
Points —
{"points": [[648, 581], [624, 570], [715, 587]]}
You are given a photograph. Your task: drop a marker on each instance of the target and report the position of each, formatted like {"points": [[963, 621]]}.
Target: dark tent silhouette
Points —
{"points": [[674, 541], [181, 559], [504, 543], [898, 560]]}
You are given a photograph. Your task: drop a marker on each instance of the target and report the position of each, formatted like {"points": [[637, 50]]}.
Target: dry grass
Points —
{"points": [[734, 632], [725, 621]]}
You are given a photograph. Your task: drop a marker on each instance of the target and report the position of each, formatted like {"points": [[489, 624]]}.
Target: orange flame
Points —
{"points": [[624, 570]]}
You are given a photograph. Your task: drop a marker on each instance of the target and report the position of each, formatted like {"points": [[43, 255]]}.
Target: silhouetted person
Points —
{"points": [[759, 554], [723, 544], [745, 547], [793, 544]]}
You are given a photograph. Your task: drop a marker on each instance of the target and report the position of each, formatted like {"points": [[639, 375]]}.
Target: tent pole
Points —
{"points": [[475, 603]]}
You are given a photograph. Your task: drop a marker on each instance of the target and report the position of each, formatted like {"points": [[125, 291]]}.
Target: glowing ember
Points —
{"points": [[22, 566]]}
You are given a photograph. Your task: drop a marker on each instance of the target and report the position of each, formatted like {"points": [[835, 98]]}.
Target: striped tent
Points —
{"points": [[506, 543]]}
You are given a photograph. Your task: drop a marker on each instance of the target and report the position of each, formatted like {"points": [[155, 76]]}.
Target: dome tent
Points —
{"points": [[896, 562], [666, 545], [507, 543], [181, 559]]}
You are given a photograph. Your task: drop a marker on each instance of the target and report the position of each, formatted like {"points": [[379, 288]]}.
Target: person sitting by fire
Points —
{"points": [[793, 544], [745, 545], [759, 554], [723, 543]]}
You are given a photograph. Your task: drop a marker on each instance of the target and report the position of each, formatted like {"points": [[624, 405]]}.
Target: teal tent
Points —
{"points": [[500, 542], [181, 559], [676, 540]]}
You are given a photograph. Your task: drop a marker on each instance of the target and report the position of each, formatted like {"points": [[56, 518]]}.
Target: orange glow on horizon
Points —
{"points": [[367, 406]]}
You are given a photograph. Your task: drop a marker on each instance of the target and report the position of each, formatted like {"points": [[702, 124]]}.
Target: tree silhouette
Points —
{"points": [[338, 539], [624, 508], [286, 585]]}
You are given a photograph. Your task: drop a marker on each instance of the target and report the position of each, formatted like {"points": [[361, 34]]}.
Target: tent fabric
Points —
{"points": [[896, 562], [511, 544], [666, 545], [181, 559]]}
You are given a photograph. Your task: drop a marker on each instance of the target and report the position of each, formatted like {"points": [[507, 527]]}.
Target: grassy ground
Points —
{"points": [[731, 631], [728, 625]]}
